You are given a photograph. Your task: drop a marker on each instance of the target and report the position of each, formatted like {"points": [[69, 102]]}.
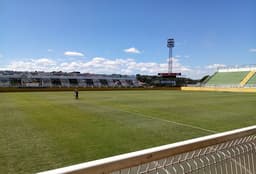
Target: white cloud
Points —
{"points": [[215, 66], [73, 53], [41, 64], [1, 55], [50, 50], [132, 50], [252, 50], [109, 66], [198, 72]]}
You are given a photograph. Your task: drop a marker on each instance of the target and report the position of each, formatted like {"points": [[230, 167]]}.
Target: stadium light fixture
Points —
{"points": [[170, 45], [170, 73]]}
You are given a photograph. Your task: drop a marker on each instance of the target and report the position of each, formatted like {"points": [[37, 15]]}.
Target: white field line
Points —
{"points": [[159, 119], [168, 121]]}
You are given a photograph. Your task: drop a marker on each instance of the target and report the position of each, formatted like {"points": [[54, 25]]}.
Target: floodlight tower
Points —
{"points": [[170, 45], [170, 73]]}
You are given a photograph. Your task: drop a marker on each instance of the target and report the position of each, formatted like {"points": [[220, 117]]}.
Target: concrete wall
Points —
{"points": [[218, 89]]}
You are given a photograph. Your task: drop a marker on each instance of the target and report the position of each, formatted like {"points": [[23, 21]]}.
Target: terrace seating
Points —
{"points": [[124, 83], [32, 82], [227, 78], [4, 83], [103, 82], [64, 79], [89, 83], [15, 82], [46, 82], [56, 83], [130, 83], [81, 83], [117, 83], [110, 83], [73, 82], [96, 83], [65, 83], [252, 81]]}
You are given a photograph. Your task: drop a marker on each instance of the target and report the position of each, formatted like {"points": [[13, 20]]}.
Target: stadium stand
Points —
{"points": [[243, 76], [227, 78], [117, 83], [64, 83], [89, 83], [247, 78], [96, 83], [104, 83], [4, 82], [60, 79], [252, 81], [110, 82], [73, 82], [124, 83]]}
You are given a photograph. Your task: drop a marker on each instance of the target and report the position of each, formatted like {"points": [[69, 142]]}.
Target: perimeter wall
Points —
{"points": [[218, 89], [118, 89], [80, 89]]}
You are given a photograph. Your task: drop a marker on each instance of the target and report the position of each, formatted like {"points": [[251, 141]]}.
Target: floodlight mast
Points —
{"points": [[170, 45]]}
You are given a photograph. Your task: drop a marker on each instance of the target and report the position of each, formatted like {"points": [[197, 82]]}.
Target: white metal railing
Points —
{"points": [[223, 86], [223, 153], [250, 86], [236, 68]]}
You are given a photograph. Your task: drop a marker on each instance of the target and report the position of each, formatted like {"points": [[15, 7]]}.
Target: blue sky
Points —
{"points": [[106, 36]]}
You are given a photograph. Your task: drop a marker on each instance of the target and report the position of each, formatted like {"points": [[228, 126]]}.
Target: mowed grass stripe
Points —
{"points": [[215, 111], [169, 121], [84, 131], [147, 116], [22, 144], [51, 129]]}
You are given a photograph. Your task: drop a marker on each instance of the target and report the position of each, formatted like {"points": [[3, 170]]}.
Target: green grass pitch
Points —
{"points": [[46, 130]]}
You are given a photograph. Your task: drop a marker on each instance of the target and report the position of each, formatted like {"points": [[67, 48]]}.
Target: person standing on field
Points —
{"points": [[76, 93]]}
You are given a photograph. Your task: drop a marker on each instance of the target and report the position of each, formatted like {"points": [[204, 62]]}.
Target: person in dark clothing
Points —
{"points": [[76, 93]]}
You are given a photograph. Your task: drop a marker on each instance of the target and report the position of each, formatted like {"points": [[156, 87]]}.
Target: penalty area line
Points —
{"points": [[168, 121]]}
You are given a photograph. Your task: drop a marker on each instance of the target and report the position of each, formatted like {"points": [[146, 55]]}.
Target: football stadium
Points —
{"points": [[86, 87], [71, 122], [51, 129]]}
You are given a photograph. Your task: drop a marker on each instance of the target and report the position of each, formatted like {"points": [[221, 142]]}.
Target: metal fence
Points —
{"points": [[232, 152], [237, 68], [222, 86]]}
